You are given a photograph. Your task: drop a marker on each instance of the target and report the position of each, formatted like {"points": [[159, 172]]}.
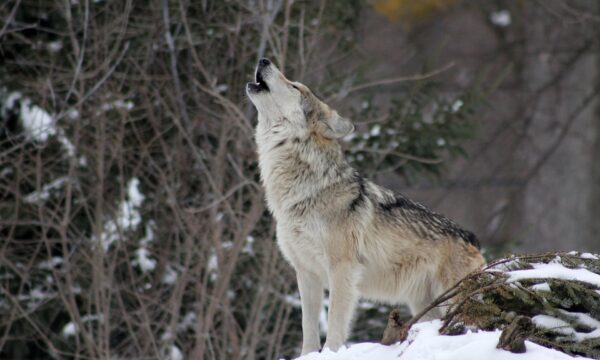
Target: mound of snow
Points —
{"points": [[425, 343], [555, 271]]}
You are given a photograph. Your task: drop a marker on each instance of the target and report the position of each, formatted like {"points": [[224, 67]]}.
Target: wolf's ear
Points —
{"points": [[337, 126]]}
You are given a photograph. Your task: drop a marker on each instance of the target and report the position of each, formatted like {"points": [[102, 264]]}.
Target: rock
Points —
{"points": [[394, 331]]}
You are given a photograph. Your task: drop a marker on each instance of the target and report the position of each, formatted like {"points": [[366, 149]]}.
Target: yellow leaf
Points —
{"points": [[410, 10]]}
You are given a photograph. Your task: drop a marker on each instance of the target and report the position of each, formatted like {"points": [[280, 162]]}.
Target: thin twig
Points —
{"points": [[173, 57], [393, 81], [10, 18]]}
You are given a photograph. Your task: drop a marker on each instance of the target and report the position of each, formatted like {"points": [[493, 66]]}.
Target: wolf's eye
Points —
{"points": [[295, 87]]}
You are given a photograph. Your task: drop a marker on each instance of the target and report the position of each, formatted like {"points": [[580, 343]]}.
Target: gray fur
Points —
{"points": [[339, 230]]}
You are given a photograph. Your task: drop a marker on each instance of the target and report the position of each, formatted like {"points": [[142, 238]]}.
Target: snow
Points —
{"points": [[583, 319], [504, 266], [425, 343], [54, 46], [188, 322], [365, 304], [580, 336], [457, 105], [128, 216], [44, 193], [143, 260], [39, 294], [66, 143], [323, 324], [9, 103], [73, 114], [500, 18], [231, 294], [212, 265], [50, 263], [355, 352], [70, 329], [170, 276], [541, 287], [557, 260], [227, 244], [175, 353], [562, 327], [222, 88], [135, 196], [117, 104], [588, 256], [554, 270], [36, 297], [248, 246], [375, 130], [293, 300], [149, 235], [37, 123], [349, 137], [551, 323]]}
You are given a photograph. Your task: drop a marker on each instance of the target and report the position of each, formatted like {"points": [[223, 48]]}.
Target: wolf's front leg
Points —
{"points": [[311, 296], [343, 294]]}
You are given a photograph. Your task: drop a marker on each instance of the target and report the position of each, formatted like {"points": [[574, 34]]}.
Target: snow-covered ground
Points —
{"points": [[425, 343]]}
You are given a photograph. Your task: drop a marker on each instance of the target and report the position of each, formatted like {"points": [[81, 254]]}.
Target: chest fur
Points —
{"points": [[297, 175], [303, 245]]}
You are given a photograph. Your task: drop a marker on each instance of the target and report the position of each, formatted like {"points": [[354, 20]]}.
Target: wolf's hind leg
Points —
{"points": [[343, 295], [311, 296]]}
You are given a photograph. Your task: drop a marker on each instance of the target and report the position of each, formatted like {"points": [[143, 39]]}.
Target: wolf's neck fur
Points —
{"points": [[297, 164]]}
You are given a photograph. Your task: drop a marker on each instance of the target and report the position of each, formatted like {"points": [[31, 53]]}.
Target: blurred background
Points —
{"points": [[132, 218]]}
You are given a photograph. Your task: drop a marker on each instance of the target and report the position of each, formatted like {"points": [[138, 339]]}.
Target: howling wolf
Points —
{"points": [[339, 230]]}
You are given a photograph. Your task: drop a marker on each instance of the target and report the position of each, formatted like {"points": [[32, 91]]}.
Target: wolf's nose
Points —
{"points": [[264, 62]]}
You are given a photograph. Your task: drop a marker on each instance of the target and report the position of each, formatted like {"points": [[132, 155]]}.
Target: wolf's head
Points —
{"points": [[293, 105]]}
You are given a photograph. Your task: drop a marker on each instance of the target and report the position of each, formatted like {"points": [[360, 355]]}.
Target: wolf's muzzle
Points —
{"points": [[260, 85]]}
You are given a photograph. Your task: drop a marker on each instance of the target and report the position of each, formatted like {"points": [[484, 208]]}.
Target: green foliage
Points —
{"points": [[420, 132], [487, 301]]}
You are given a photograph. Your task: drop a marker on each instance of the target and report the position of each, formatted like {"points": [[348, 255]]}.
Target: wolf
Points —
{"points": [[338, 230]]}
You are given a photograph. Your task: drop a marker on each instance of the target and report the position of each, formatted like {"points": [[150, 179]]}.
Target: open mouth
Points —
{"points": [[260, 85]]}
